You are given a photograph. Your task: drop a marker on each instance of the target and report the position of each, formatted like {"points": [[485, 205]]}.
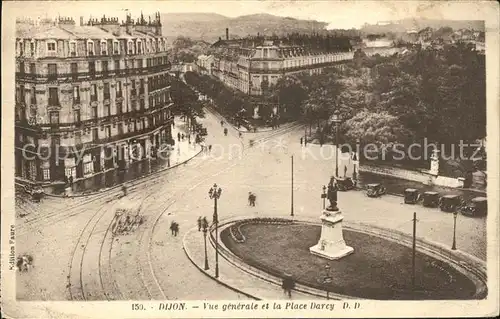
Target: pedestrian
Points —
{"points": [[176, 229], [178, 137], [255, 129], [254, 198], [71, 181], [301, 141], [221, 123], [199, 223], [182, 136], [249, 198], [209, 148], [225, 131], [172, 227]]}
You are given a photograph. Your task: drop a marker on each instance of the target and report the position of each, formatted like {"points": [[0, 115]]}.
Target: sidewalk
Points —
{"points": [[232, 277], [182, 152], [242, 129]]}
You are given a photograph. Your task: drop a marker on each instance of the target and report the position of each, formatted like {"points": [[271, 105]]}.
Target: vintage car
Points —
{"points": [[450, 203], [412, 196], [375, 190], [35, 191], [344, 183], [430, 199], [478, 206]]}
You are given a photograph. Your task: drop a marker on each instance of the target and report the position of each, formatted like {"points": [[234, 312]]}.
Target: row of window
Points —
{"points": [[154, 102], [138, 63], [54, 115], [133, 47], [94, 92]]}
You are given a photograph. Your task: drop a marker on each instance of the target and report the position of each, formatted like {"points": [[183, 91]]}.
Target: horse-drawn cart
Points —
{"points": [[127, 216]]}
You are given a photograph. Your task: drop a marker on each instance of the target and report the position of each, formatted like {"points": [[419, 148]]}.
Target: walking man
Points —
{"points": [[301, 141], [209, 148], [199, 223], [221, 123], [178, 137], [172, 227]]}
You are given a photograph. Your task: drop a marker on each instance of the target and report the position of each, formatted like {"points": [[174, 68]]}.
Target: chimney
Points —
{"points": [[227, 33]]}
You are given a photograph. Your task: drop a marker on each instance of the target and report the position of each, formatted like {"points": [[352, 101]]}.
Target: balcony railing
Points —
{"points": [[54, 103], [63, 127], [93, 74]]}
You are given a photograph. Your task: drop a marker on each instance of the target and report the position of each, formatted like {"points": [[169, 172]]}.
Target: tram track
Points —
{"points": [[106, 287], [150, 280]]}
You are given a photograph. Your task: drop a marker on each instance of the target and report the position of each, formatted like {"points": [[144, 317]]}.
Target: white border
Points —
{"points": [[476, 10]]}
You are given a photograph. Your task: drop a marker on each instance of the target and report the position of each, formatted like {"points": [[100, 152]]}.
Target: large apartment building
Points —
{"points": [[89, 97], [243, 65]]}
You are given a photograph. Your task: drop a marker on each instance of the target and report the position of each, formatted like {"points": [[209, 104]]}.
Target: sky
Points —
{"points": [[339, 14]]}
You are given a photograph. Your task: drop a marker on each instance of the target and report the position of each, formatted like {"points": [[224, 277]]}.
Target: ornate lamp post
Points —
{"points": [[214, 193], [327, 280], [204, 225], [454, 245], [324, 196], [336, 120]]}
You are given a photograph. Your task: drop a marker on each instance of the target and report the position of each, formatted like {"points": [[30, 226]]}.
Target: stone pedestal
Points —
{"points": [[331, 244]]}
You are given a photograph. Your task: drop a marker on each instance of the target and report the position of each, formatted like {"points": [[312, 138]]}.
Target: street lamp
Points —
{"points": [[214, 193], [454, 245], [327, 280], [324, 196], [204, 225], [336, 120]]}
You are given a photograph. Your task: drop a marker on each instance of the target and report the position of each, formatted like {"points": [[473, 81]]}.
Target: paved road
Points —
{"points": [[149, 263]]}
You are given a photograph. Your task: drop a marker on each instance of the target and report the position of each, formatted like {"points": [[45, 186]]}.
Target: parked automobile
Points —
{"points": [[430, 199], [412, 196], [375, 190], [450, 203], [478, 206], [344, 183]]}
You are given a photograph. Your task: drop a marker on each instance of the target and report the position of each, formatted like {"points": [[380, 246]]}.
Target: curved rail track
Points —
{"points": [[90, 268]]}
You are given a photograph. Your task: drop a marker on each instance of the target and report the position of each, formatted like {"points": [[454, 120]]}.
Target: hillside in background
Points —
{"points": [[419, 24], [210, 26]]}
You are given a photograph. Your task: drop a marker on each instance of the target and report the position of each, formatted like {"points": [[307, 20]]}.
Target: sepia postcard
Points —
{"points": [[250, 159]]}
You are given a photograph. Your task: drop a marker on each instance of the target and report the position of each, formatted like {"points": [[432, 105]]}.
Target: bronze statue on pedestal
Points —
{"points": [[332, 195]]}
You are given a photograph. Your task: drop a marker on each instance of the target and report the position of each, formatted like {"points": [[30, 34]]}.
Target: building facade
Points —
{"points": [[204, 64], [251, 69], [90, 97]]}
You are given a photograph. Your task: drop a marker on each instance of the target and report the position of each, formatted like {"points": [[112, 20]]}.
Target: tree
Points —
{"points": [[185, 100], [379, 128], [289, 93]]}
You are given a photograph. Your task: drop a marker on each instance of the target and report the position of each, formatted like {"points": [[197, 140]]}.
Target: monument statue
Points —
{"points": [[332, 195], [331, 244]]}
